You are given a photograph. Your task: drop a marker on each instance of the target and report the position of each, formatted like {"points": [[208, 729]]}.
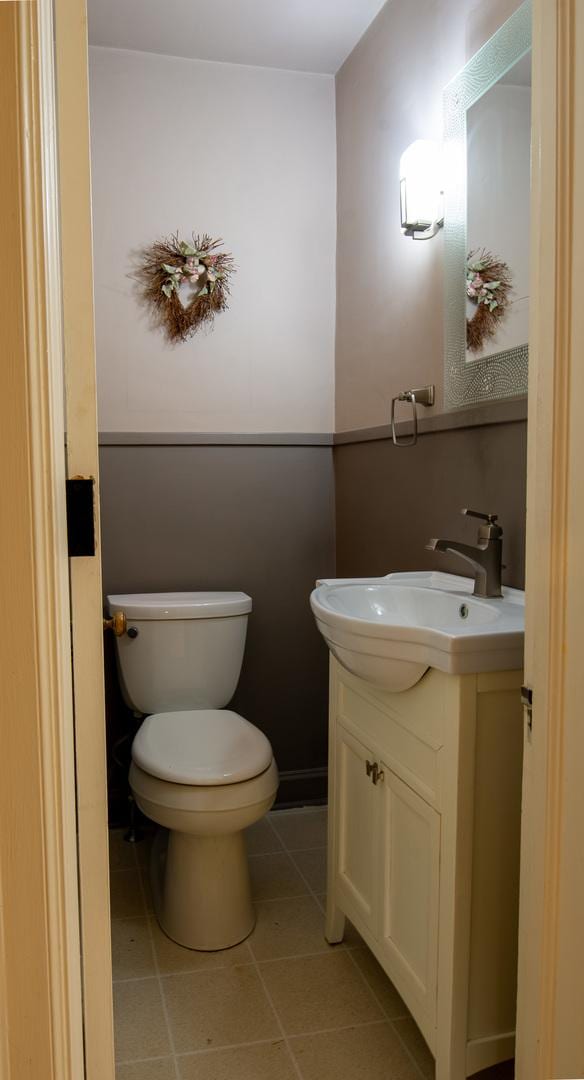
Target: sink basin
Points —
{"points": [[390, 630]]}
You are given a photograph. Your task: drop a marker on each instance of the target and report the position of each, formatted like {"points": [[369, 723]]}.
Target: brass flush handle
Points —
{"points": [[117, 623]]}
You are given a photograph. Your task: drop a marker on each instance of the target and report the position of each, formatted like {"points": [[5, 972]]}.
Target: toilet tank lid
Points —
{"points": [[180, 605]]}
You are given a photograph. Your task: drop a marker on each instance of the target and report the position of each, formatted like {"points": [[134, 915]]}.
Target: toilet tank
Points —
{"points": [[180, 650]]}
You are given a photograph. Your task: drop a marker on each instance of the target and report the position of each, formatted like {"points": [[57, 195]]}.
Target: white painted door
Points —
{"points": [[410, 856], [358, 812]]}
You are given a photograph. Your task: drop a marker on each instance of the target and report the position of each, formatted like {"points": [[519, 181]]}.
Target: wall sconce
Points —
{"points": [[420, 190]]}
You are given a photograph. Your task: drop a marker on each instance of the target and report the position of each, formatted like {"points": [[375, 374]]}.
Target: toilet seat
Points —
{"points": [[201, 748], [185, 806]]}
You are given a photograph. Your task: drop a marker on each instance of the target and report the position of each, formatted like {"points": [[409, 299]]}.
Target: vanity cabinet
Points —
{"points": [[424, 803]]}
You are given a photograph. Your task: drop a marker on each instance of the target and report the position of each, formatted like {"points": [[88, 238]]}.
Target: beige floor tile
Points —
{"points": [[312, 864], [288, 928], [261, 838], [274, 876], [132, 956], [361, 1053], [269, 1061], [319, 992], [143, 847], [218, 1009], [145, 876], [163, 1069], [139, 1022], [415, 1042], [173, 958], [126, 894], [121, 854], [300, 830], [384, 990]]}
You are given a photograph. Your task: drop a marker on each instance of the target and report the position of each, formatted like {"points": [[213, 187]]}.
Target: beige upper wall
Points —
{"points": [[389, 288], [244, 153]]}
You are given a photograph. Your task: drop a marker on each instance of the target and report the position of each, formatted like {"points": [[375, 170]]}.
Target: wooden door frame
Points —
{"points": [[55, 960], [550, 1032], [41, 1033], [40, 915], [74, 168]]}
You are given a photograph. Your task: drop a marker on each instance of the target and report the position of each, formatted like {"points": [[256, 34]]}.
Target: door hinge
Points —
{"points": [[527, 702], [81, 516]]}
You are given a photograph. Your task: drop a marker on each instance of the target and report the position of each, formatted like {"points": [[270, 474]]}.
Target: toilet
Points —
{"points": [[200, 771]]}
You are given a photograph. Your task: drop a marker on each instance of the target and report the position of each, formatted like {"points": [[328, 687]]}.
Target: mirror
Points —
{"points": [[487, 218]]}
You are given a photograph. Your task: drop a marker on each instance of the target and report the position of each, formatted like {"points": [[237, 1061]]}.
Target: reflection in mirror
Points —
{"points": [[486, 200], [498, 144]]}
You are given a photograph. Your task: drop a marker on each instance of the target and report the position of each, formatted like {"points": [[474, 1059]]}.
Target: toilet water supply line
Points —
{"points": [[423, 396]]}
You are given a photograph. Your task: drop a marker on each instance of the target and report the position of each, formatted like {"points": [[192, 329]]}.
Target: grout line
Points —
{"points": [[256, 964], [143, 1061], [293, 1061], [316, 847], [343, 1027], [390, 1019], [350, 950], [314, 894], [340, 948], [405, 1045], [157, 975], [270, 1001], [209, 1051]]}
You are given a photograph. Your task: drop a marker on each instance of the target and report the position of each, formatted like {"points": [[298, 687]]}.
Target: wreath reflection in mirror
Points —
{"points": [[185, 284], [488, 285]]}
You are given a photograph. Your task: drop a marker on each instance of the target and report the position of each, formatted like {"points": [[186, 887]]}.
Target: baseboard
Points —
{"points": [[302, 787]]}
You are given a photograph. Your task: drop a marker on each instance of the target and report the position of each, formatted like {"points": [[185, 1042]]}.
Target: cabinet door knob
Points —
{"points": [[378, 774], [369, 767]]}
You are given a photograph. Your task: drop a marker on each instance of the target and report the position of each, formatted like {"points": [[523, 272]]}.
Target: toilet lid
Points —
{"points": [[203, 746]]}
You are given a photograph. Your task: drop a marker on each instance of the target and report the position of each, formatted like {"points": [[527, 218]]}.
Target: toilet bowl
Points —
{"points": [[201, 772]]}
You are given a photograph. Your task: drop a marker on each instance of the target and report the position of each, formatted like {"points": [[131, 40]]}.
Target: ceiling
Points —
{"points": [[301, 35]]}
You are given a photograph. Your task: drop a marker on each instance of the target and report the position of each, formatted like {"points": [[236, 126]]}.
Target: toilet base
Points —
{"points": [[208, 905]]}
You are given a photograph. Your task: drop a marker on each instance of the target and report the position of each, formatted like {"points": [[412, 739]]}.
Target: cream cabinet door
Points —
{"points": [[410, 856], [358, 807]]}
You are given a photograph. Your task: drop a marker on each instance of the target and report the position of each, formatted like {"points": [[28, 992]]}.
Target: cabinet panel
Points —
{"points": [[358, 810], [410, 835], [408, 734]]}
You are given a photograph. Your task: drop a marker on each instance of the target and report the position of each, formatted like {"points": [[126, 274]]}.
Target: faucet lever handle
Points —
{"points": [[489, 518]]}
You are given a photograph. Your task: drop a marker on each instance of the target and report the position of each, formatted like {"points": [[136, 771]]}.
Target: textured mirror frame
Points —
{"points": [[504, 374]]}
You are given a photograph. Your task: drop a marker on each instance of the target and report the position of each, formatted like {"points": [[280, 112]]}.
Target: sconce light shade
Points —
{"points": [[420, 190]]}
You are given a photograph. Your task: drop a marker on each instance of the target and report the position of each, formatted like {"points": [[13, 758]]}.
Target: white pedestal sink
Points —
{"points": [[390, 630]]}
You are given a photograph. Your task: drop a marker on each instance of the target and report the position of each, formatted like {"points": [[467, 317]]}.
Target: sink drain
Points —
{"points": [[463, 611]]}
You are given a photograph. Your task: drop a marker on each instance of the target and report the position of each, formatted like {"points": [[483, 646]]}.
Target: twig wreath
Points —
{"points": [[488, 285], [168, 266]]}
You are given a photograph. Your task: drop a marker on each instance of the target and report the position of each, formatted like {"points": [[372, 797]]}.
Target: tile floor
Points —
{"points": [[283, 1005]]}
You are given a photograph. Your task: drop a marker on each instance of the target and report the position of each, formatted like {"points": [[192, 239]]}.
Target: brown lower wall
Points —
{"points": [[390, 501], [256, 518], [262, 519]]}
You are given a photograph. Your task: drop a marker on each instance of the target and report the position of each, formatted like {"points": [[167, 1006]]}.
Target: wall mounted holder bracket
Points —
{"points": [[422, 396]]}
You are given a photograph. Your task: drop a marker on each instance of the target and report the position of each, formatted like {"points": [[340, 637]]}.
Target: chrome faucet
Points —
{"points": [[485, 558]]}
